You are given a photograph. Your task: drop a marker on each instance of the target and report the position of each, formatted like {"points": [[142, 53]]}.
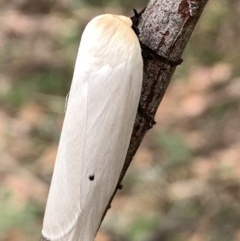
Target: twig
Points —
{"points": [[165, 27]]}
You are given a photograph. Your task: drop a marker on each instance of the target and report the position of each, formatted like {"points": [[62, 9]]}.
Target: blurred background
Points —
{"points": [[184, 182]]}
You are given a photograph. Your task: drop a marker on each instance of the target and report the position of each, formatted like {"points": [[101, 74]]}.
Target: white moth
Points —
{"points": [[100, 115]]}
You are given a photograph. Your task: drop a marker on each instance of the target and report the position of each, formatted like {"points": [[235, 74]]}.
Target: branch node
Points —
{"points": [[165, 59]]}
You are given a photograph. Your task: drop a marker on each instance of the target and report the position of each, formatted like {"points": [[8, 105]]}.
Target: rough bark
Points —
{"points": [[165, 27]]}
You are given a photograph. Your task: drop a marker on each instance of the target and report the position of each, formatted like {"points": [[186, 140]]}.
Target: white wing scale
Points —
{"points": [[100, 115]]}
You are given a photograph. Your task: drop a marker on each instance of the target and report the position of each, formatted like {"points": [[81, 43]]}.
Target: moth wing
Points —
{"points": [[113, 96], [63, 204], [99, 119]]}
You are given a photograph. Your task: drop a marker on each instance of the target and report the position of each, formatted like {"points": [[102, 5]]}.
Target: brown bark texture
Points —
{"points": [[164, 28]]}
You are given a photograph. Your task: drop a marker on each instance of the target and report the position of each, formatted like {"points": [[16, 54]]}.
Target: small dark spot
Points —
{"points": [[120, 186], [91, 177], [167, 33]]}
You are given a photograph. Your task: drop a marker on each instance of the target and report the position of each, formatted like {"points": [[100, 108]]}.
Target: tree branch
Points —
{"points": [[165, 27]]}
